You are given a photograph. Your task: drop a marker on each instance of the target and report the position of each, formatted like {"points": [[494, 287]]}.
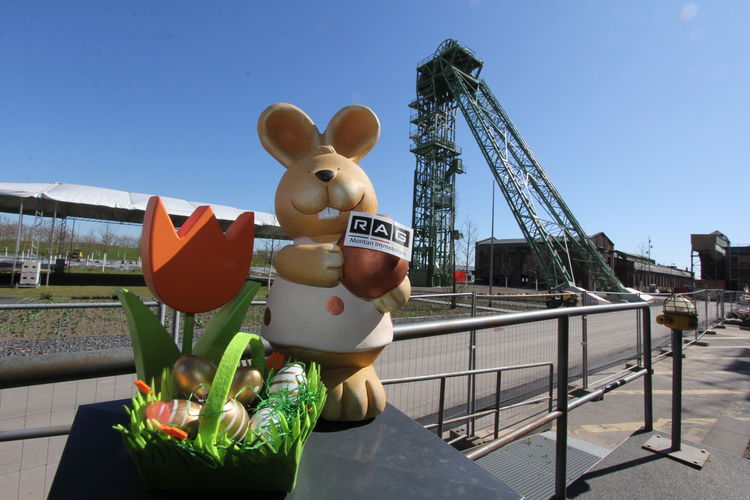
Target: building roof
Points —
{"points": [[90, 202], [512, 241]]}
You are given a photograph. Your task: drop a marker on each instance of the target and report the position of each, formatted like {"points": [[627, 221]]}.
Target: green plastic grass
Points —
{"points": [[261, 462]]}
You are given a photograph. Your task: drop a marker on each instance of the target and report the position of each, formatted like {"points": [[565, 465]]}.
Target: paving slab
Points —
{"points": [[9, 485], [31, 484], [729, 434], [631, 472]]}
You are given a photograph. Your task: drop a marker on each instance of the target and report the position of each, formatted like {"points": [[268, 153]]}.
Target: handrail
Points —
{"points": [[421, 378], [448, 326], [17, 371]]}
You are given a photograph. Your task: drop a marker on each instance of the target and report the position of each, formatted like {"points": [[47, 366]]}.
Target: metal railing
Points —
{"points": [[87, 365], [562, 316], [471, 413]]}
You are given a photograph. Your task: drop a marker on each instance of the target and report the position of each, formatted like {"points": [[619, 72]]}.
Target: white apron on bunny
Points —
{"points": [[341, 321], [310, 314]]}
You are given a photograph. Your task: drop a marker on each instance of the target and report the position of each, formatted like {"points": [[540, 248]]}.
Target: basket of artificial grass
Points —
{"points": [[220, 443]]}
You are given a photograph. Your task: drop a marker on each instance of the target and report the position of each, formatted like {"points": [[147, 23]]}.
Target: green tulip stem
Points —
{"points": [[187, 333]]}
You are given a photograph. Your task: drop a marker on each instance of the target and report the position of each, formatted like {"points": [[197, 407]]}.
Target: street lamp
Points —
{"points": [[679, 313]]}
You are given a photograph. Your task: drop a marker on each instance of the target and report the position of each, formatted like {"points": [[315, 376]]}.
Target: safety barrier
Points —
{"points": [[478, 328]]}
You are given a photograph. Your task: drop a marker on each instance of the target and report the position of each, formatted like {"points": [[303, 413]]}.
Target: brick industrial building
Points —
{"points": [[722, 265], [514, 265]]}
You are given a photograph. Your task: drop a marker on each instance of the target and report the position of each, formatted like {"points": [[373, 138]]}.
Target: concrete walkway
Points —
{"points": [[715, 417], [28, 467]]}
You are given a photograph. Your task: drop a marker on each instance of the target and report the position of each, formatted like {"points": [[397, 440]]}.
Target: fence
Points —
{"points": [[471, 357]]}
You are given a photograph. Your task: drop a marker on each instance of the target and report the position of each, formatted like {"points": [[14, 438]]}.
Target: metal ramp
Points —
{"points": [[528, 465]]}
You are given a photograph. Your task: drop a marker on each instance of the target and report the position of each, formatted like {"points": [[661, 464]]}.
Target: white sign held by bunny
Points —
{"points": [[379, 233]]}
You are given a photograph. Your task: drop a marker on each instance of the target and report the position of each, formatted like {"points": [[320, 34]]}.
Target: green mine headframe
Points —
{"points": [[447, 81]]}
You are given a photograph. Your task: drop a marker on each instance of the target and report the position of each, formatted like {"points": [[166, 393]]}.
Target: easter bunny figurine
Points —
{"points": [[310, 314]]}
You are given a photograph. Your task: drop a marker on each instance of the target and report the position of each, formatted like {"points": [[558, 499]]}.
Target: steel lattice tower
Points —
{"points": [[447, 81]]}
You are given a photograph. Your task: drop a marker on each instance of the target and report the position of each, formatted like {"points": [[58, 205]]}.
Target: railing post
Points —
{"points": [[638, 337], [705, 320], [716, 319], [585, 349], [561, 458], [648, 396], [176, 326], [471, 388], [161, 312], [551, 387], [498, 384], [676, 389], [441, 408]]}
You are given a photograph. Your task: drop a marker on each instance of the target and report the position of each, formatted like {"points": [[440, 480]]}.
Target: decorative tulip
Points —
{"points": [[197, 268]]}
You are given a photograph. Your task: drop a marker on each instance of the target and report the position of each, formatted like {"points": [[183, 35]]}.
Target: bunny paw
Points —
{"points": [[353, 394]]}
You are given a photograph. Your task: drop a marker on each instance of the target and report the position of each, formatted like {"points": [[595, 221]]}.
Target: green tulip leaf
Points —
{"points": [[220, 331], [153, 347]]}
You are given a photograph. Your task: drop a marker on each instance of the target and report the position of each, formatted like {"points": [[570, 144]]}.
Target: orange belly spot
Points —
{"points": [[335, 305]]}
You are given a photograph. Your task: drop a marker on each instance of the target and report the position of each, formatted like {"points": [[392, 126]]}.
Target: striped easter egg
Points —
{"points": [[177, 412], [234, 420], [288, 378]]}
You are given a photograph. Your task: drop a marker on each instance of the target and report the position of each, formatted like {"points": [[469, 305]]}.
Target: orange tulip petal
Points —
{"points": [[199, 268]]}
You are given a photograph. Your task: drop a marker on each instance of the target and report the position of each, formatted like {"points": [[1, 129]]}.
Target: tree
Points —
{"points": [[467, 244], [107, 237]]}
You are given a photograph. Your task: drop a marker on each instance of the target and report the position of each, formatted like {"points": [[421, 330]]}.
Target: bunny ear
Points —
{"points": [[287, 133], [353, 132]]}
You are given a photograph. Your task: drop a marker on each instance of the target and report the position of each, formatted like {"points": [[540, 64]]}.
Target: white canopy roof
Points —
{"points": [[89, 202]]}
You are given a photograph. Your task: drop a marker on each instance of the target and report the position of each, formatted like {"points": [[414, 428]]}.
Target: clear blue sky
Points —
{"points": [[637, 110]]}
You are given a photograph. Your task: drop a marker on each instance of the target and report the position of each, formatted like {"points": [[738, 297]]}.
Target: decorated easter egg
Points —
{"points": [[246, 384], [177, 412], [193, 375], [288, 379], [370, 273], [234, 420], [263, 420]]}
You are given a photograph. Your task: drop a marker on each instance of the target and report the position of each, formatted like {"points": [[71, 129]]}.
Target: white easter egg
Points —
{"points": [[262, 421]]}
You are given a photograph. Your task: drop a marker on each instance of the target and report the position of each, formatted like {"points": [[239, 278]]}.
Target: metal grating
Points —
{"points": [[528, 465]]}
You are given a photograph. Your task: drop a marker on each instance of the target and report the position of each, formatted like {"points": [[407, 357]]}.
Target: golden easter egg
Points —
{"points": [[246, 384], [193, 375]]}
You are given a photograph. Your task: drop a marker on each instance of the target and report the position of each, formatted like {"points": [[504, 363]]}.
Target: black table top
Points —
{"points": [[389, 457]]}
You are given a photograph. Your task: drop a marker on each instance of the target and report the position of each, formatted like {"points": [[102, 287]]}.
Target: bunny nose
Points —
{"points": [[325, 175]]}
